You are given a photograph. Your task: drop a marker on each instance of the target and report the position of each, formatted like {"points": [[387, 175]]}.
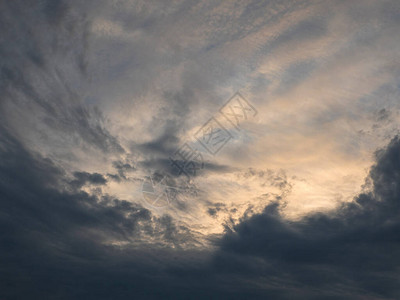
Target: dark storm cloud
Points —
{"points": [[59, 242], [53, 243], [37, 191], [51, 233], [356, 246]]}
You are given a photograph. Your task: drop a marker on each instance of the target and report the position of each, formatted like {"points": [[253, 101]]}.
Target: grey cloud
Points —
{"points": [[355, 243], [163, 145], [216, 208], [43, 69], [59, 242], [48, 228], [354, 247], [83, 178], [123, 167], [295, 74], [39, 192], [304, 30]]}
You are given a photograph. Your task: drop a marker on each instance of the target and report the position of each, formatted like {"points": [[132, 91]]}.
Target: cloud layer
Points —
{"points": [[95, 97]]}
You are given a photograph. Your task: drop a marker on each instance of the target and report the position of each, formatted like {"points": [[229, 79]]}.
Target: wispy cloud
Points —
{"points": [[96, 96]]}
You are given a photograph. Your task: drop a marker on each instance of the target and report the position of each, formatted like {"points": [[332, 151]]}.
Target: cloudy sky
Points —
{"points": [[199, 149]]}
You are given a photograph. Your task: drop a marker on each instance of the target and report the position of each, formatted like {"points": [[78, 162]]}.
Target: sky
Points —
{"points": [[199, 149]]}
